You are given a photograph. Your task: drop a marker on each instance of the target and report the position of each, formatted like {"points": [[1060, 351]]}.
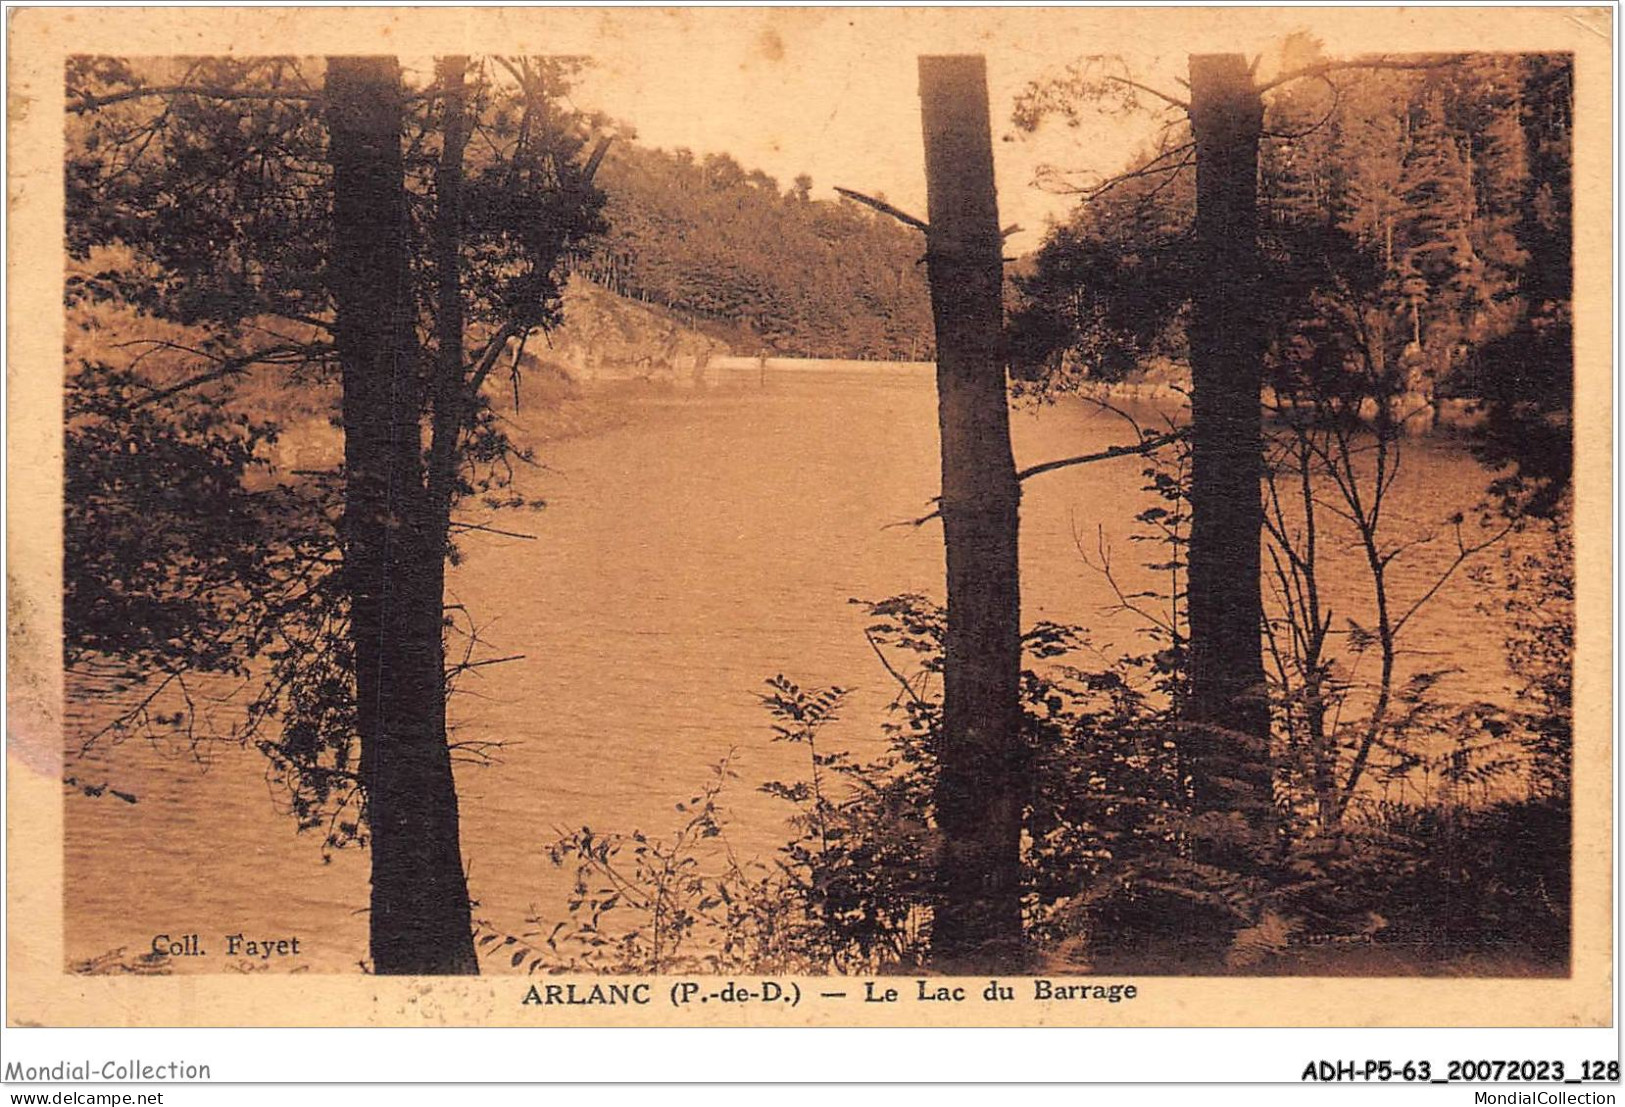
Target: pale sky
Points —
{"points": [[832, 91]]}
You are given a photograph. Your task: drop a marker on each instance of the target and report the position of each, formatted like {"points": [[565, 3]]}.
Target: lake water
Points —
{"points": [[710, 540]]}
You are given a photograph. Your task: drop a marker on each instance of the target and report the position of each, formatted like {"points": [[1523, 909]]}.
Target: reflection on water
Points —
{"points": [[710, 541]]}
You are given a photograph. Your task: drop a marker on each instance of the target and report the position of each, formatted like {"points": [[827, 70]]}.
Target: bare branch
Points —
{"points": [[922, 520], [1149, 445], [225, 367], [1052, 180], [897, 676], [1380, 61], [207, 92], [488, 356], [492, 530], [87, 103], [1337, 100], [1125, 602], [489, 661], [590, 170], [1464, 551]]}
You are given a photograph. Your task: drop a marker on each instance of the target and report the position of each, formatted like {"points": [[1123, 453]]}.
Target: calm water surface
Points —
{"points": [[712, 540]]}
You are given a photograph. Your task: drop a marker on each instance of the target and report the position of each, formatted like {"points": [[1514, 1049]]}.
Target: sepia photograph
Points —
{"points": [[933, 516]]}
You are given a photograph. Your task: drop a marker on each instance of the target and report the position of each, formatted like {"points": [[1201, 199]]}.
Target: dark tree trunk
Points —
{"points": [[980, 788], [393, 549], [1228, 706], [452, 404]]}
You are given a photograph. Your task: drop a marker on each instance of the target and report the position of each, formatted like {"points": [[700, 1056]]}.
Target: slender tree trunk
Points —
{"points": [[982, 768], [1228, 705], [393, 552]]}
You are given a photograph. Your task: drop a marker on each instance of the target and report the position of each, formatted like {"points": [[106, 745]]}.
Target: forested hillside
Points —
{"points": [[814, 278], [1416, 216]]}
